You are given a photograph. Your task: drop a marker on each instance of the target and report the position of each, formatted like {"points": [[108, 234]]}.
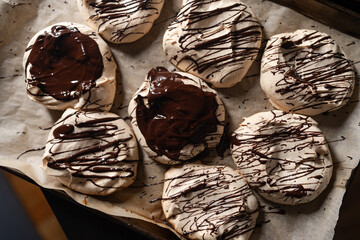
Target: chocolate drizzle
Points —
{"points": [[30, 150], [63, 63], [282, 155], [215, 35], [204, 202], [315, 74], [176, 114], [92, 147], [124, 16]]}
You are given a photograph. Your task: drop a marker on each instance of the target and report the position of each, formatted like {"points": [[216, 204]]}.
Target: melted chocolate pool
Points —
{"points": [[64, 63], [177, 115]]}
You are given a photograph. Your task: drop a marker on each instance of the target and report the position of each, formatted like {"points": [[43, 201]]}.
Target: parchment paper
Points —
{"points": [[22, 121]]}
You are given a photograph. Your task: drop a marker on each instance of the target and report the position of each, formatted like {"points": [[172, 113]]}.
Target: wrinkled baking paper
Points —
{"points": [[22, 121]]}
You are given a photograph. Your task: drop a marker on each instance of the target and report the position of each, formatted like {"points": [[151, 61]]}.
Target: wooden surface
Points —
{"points": [[36, 207], [68, 212], [342, 17]]}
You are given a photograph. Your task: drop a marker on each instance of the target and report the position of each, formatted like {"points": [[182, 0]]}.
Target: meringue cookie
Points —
{"points": [[120, 21], [283, 156], [306, 72], [209, 202], [216, 41], [175, 116], [69, 65], [91, 152]]}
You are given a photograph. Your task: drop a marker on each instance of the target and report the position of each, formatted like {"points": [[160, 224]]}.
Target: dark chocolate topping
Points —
{"points": [[103, 148], [313, 73], [177, 114], [62, 62], [239, 32], [63, 130], [120, 14]]}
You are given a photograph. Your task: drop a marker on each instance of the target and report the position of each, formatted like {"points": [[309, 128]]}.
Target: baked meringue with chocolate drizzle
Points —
{"points": [[283, 156], [120, 21], [209, 202], [176, 116], [69, 65], [305, 72], [93, 153], [216, 41]]}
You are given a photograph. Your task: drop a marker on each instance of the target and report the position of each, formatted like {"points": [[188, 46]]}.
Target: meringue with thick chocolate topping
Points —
{"points": [[69, 65], [120, 21], [91, 152], [216, 41], [283, 156], [175, 116], [306, 72], [209, 202]]}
